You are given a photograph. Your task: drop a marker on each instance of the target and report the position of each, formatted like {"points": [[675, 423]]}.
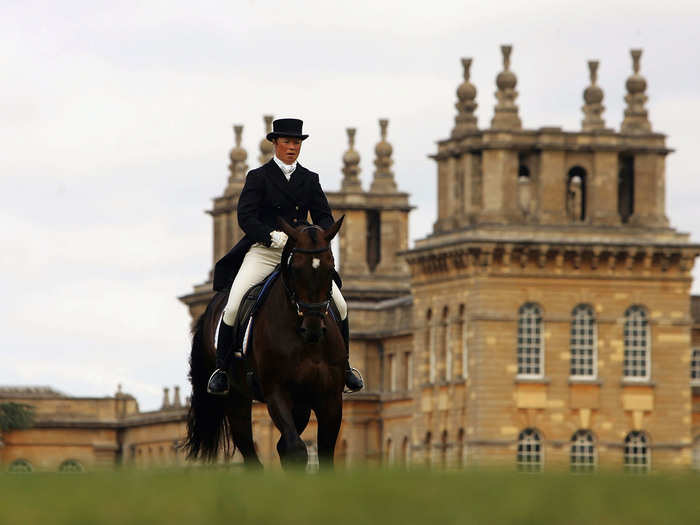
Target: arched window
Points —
{"points": [[530, 456], [428, 450], [70, 465], [695, 366], [462, 451], [576, 194], [443, 450], [389, 452], [530, 341], [20, 465], [637, 457], [406, 452], [583, 342], [583, 457], [637, 344]]}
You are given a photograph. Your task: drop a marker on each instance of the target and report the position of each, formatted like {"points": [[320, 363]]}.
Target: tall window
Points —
{"points": [[428, 450], [530, 451], [389, 457], [636, 336], [374, 239], [583, 342], [443, 450], [582, 455], [462, 450], [463, 341], [447, 342], [431, 336], [530, 341], [406, 452], [637, 457], [625, 188], [695, 366], [392, 373], [408, 361], [576, 194]]}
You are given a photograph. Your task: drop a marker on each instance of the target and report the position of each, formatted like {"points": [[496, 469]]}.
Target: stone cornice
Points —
{"points": [[552, 139], [552, 258]]}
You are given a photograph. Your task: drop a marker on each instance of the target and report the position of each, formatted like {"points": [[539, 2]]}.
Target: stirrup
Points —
{"points": [[346, 390], [228, 382]]}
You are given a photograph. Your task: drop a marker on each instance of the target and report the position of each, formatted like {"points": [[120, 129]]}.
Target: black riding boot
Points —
{"points": [[218, 382], [352, 380]]}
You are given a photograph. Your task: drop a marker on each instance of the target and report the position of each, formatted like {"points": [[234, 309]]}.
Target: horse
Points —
{"points": [[297, 355]]}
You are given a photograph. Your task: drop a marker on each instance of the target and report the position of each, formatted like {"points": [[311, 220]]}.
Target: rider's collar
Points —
{"points": [[287, 169]]}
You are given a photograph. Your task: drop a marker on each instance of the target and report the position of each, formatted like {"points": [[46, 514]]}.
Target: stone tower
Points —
{"points": [[224, 213], [551, 303], [375, 227]]}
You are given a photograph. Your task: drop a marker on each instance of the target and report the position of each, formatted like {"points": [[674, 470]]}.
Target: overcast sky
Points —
{"points": [[116, 127]]}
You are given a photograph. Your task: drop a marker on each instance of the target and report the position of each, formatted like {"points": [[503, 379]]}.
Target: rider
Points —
{"points": [[281, 187]]}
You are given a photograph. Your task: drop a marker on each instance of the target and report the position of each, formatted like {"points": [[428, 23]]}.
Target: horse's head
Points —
{"points": [[307, 272]]}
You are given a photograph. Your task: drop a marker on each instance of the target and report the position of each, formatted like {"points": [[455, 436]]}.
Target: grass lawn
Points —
{"points": [[212, 496]]}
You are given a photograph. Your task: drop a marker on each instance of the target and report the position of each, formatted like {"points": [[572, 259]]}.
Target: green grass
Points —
{"points": [[212, 496]]}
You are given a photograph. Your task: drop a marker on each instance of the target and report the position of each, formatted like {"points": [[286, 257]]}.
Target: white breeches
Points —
{"points": [[258, 263]]}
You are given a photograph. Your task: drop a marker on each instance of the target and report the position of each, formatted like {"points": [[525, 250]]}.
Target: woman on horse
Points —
{"points": [[280, 188]]}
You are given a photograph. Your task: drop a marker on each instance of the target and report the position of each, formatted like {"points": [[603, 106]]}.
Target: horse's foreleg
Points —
{"points": [[291, 448], [329, 414], [241, 425]]}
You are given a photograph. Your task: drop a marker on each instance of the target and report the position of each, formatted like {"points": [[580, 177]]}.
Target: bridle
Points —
{"points": [[302, 308]]}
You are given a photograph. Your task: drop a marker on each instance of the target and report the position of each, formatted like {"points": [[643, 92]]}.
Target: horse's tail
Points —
{"points": [[208, 429]]}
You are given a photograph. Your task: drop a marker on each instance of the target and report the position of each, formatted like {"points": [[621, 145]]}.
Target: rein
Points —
{"points": [[302, 308]]}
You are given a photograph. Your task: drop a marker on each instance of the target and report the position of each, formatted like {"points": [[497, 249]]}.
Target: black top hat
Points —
{"points": [[286, 127]]}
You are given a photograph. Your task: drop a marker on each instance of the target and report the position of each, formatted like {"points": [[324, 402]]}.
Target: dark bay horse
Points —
{"points": [[297, 355]]}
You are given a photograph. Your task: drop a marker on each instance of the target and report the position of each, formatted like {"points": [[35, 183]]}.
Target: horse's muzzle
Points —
{"points": [[312, 334]]}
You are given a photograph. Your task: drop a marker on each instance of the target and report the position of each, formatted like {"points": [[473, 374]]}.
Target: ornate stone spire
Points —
{"points": [[636, 118], [465, 121], [506, 112], [266, 147], [237, 168], [593, 98], [383, 176], [351, 165]]}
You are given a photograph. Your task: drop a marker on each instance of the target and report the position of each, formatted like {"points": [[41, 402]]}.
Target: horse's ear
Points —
{"points": [[286, 228], [331, 232]]}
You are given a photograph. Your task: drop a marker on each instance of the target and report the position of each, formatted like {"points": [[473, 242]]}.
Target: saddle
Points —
{"points": [[251, 303]]}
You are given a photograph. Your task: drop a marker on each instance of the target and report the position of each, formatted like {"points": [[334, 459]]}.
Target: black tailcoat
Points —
{"points": [[267, 195]]}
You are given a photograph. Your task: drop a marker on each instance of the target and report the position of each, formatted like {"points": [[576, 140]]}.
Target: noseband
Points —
{"points": [[312, 309]]}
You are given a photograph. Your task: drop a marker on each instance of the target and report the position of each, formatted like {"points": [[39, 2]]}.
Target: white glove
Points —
{"points": [[279, 239]]}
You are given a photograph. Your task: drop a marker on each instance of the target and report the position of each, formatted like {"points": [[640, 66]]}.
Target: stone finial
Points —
{"points": [[465, 121], [593, 101], [166, 398], [506, 112], [266, 147], [383, 181], [237, 167], [351, 165], [636, 119], [176, 397]]}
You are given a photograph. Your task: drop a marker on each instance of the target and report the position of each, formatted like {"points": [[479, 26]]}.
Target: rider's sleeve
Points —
{"points": [[249, 204], [318, 205]]}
